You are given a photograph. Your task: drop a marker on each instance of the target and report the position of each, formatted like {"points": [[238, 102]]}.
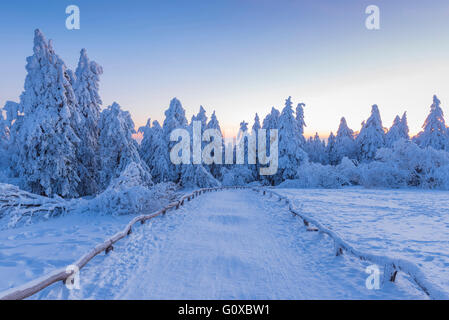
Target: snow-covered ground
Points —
{"points": [[29, 252], [227, 245], [408, 224]]}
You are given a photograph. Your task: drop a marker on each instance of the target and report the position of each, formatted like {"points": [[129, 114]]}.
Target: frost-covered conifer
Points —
{"points": [[117, 147], [86, 86], [404, 127], [175, 118], [331, 150], [201, 116], [301, 122], [196, 175], [145, 144], [291, 154], [215, 169], [435, 133], [399, 130], [44, 139], [4, 131], [271, 121], [371, 137], [153, 150], [345, 142], [254, 131], [316, 149]]}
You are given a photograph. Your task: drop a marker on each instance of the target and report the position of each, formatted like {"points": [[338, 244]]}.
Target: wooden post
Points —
{"points": [[390, 272], [338, 249], [108, 249]]}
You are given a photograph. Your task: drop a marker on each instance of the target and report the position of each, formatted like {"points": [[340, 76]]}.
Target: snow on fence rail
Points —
{"points": [[62, 274], [391, 265]]}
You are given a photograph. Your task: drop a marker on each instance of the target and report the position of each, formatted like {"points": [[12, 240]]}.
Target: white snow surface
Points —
{"points": [[226, 245], [412, 225], [31, 251]]}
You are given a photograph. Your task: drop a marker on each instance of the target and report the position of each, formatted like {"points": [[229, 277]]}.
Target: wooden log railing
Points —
{"points": [[391, 266], [33, 287]]}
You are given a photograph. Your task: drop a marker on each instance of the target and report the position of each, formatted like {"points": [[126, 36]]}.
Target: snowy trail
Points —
{"points": [[227, 245]]}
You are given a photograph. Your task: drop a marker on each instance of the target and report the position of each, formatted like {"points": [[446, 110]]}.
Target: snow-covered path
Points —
{"points": [[227, 245]]}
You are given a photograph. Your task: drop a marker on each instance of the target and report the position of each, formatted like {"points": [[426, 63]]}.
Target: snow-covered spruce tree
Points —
{"points": [[316, 150], [200, 116], [4, 131], [213, 123], [44, 139], [245, 170], [11, 112], [145, 144], [4, 137], [215, 169], [345, 142], [331, 150], [371, 136], [291, 154], [301, 122], [86, 86], [153, 150], [404, 127], [117, 147], [271, 121], [175, 118], [8, 115], [243, 130], [197, 175], [435, 132], [254, 131], [399, 130], [256, 126]]}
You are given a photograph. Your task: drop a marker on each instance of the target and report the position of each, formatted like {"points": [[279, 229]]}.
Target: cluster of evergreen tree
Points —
{"points": [[362, 146], [59, 142]]}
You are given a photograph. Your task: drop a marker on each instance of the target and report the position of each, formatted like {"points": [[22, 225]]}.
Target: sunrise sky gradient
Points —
{"points": [[239, 57]]}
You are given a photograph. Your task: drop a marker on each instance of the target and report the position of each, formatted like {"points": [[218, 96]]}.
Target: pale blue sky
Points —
{"points": [[239, 57]]}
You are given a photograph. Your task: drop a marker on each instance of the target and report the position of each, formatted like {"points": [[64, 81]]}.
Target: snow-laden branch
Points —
{"points": [[21, 207]]}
